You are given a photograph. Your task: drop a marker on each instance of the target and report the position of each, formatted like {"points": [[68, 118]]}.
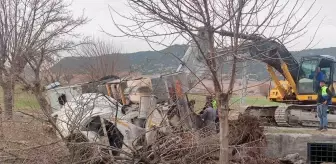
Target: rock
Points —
{"points": [[301, 161], [292, 157]]}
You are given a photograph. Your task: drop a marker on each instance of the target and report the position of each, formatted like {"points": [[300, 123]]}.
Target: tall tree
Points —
{"points": [[32, 31], [220, 30], [102, 57]]}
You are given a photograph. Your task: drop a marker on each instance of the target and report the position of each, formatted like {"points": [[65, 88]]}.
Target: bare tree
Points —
{"points": [[221, 30], [102, 58], [67, 78], [32, 31]]}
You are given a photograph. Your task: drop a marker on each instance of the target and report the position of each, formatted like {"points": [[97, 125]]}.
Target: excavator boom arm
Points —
{"points": [[276, 81], [273, 53]]}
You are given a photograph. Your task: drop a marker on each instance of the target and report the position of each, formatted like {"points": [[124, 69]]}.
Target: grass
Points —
{"points": [[27, 101], [22, 100], [234, 102], [253, 100]]}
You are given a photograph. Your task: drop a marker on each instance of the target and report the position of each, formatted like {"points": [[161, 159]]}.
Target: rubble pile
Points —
{"points": [[246, 140]]}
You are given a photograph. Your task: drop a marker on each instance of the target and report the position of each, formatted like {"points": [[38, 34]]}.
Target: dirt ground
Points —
{"points": [[28, 140]]}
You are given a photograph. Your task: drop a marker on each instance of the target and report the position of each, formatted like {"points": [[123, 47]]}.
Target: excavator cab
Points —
{"points": [[309, 67]]}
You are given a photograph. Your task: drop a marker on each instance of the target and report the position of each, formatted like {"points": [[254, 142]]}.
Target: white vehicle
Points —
{"points": [[96, 117], [92, 111]]}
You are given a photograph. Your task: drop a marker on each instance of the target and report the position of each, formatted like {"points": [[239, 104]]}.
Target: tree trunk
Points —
{"points": [[223, 104], [8, 91], [1, 126], [43, 103], [46, 109], [223, 107]]}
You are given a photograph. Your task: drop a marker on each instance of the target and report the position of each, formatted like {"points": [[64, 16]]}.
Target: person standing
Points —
{"points": [[323, 100], [209, 116]]}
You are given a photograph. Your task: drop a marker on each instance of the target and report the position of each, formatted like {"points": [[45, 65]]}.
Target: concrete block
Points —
{"points": [[282, 144]]}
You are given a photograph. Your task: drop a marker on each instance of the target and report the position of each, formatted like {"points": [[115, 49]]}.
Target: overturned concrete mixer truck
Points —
{"points": [[113, 111], [118, 112]]}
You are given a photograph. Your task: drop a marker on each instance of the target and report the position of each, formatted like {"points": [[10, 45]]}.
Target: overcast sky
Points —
{"points": [[97, 11]]}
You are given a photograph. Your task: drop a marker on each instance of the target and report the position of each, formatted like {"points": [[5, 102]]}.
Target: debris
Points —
{"points": [[301, 161], [246, 140], [292, 159]]}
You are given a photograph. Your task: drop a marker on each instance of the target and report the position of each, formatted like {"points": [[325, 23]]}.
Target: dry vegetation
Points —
{"points": [[30, 140], [246, 140]]}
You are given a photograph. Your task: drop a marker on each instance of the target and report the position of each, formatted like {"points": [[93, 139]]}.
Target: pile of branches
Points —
{"points": [[246, 139]]}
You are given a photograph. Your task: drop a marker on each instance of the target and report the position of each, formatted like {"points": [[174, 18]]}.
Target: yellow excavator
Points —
{"points": [[297, 93]]}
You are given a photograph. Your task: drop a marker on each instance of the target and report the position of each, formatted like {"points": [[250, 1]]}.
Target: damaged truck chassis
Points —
{"points": [[92, 112]]}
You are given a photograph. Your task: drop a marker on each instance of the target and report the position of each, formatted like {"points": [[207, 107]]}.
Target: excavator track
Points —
{"points": [[280, 116], [292, 115]]}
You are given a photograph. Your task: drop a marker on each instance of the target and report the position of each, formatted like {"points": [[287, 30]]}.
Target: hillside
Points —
{"points": [[152, 62], [146, 62], [164, 61]]}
